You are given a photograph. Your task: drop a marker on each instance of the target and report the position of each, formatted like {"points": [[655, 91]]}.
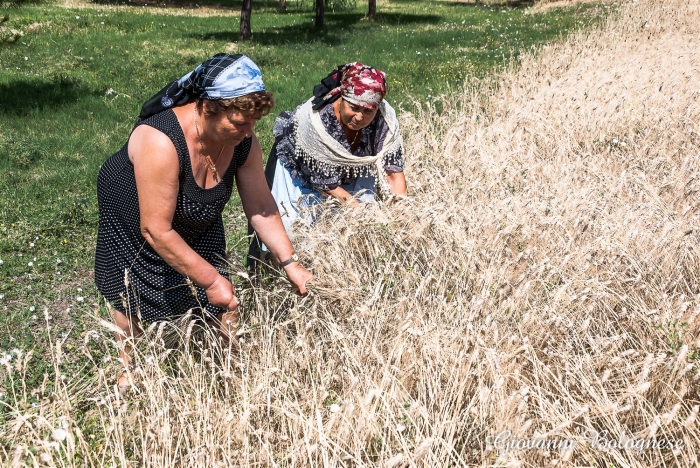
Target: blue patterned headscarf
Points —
{"points": [[223, 76]]}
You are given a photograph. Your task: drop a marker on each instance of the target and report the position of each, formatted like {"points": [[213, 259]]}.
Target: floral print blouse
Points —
{"points": [[371, 141]]}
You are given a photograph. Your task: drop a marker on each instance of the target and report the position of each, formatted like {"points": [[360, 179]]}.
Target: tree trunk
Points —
{"points": [[320, 13], [283, 4], [245, 19], [372, 11]]}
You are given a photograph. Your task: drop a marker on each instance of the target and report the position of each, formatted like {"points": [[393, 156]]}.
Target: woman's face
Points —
{"points": [[353, 116], [233, 126]]}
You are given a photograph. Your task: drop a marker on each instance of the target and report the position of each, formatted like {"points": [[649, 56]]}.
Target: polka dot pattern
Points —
{"points": [[128, 272]]}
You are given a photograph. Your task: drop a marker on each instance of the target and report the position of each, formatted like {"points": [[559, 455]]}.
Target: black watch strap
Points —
{"points": [[294, 258]]}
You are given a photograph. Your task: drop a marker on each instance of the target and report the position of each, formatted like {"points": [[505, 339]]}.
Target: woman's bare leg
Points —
{"points": [[131, 328]]}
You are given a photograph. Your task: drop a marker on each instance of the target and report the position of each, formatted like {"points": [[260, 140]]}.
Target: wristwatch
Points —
{"points": [[294, 258]]}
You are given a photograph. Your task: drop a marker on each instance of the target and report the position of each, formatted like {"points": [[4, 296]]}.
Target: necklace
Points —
{"points": [[212, 164], [354, 140]]}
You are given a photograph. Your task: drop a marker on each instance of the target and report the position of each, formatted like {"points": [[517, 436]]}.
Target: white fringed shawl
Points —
{"points": [[321, 152]]}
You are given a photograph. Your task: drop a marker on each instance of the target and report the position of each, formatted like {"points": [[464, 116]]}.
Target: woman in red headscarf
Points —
{"points": [[344, 143]]}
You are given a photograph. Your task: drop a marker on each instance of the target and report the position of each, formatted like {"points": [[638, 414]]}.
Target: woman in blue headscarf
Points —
{"points": [[161, 243]]}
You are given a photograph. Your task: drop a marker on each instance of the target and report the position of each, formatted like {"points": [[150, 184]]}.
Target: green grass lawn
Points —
{"points": [[71, 87]]}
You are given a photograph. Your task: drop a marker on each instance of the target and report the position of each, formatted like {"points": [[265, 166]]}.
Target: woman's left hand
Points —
{"points": [[299, 276]]}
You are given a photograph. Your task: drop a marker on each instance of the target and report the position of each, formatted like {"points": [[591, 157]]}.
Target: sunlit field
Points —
{"points": [[540, 282], [73, 77]]}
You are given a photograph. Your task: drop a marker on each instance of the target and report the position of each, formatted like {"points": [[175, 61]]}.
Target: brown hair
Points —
{"points": [[254, 105]]}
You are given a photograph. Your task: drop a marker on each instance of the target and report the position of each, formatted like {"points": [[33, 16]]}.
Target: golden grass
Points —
{"points": [[542, 279]]}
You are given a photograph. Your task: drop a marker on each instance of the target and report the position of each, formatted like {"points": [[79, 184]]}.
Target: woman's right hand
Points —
{"points": [[221, 294], [299, 276]]}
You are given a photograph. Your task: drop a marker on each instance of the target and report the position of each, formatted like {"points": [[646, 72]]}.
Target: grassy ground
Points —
{"points": [[71, 86]]}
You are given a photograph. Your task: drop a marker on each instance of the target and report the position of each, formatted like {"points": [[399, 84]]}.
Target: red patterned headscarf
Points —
{"points": [[354, 82]]}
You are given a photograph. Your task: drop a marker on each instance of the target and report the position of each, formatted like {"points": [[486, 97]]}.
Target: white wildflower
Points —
{"points": [[105, 358], [34, 317], [77, 17], [400, 427], [31, 264], [58, 260], [59, 435], [80, 298], [32, 309], [1, 262], [45, 457], [2, 296], [334, 408], [109, 91], [31, 244], [26, 58], [80, 289]]}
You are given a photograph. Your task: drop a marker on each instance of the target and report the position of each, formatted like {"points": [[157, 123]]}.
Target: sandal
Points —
{"points": [[123, 391]]}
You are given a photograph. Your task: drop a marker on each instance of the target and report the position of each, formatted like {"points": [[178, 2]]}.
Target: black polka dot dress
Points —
{"points": [[128, 272]]}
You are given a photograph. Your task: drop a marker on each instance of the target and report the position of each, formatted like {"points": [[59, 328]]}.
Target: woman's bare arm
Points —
{"points": [[341, 194], [261, 209], [397, 181]]}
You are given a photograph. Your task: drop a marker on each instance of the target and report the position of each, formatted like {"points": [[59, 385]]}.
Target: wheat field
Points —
{"points": [[540, 284]]}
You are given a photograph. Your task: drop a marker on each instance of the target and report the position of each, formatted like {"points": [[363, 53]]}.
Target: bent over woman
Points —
{"points": [[344, 142], [161, 243]]}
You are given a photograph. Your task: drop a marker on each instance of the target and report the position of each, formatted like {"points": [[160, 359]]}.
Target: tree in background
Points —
{"points": [[245, 19], [283, 4], [372, 10], [320, 13]]}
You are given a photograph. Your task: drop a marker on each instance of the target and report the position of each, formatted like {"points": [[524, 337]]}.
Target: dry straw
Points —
{"points": [[542, 280]]}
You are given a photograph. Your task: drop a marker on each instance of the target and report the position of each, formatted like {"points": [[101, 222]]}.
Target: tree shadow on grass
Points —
{"points": [[258, 5], [333, 34], [499, 4], [21, 97]]}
